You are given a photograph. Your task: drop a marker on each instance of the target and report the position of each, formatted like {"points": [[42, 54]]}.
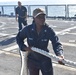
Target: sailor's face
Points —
{"points": [[40, 19], [19, 3]]}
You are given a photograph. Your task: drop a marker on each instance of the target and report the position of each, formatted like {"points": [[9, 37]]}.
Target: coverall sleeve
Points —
{"points": [[20, 39], [16, 12], [57, 46]]}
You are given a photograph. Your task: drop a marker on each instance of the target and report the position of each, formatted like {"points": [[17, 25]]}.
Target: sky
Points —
{"points": [[41, 1]]}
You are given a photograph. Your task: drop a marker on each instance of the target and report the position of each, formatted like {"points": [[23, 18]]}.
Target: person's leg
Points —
{"points": [[19, 24], [33, 70], [46, 67]]}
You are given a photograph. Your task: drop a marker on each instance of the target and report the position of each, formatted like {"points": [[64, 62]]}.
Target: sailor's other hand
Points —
{"points": [[28, 49], [60, 60], [26, 19]]}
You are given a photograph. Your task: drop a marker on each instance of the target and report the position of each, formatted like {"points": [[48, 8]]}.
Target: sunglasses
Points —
{"points": [[42, 16]]}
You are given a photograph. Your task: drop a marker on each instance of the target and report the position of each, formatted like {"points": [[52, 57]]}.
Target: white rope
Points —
{"points": [[68, 62], [24, 69]]}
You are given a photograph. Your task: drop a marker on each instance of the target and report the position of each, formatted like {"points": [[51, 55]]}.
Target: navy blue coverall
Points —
{"points": [[21, 16], [37, 61]]}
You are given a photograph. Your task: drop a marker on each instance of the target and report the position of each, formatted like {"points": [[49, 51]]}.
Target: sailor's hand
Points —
{"points": [[26, 19], [60, 60], [28, 49]]}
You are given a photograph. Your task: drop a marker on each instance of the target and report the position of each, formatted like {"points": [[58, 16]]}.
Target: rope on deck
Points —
{"points": [[24, 69]]}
